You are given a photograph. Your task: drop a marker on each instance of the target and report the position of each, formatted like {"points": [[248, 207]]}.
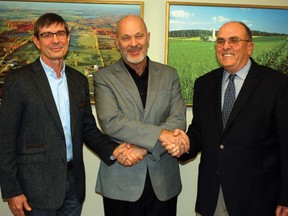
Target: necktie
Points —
{"points": [[229, 99]]}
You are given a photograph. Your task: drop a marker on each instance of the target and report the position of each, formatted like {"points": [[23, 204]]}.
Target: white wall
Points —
{"points": [[154, 16]]}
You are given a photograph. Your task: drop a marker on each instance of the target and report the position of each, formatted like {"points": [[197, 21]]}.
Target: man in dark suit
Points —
{"points": [[244, 161], [45, 117]]}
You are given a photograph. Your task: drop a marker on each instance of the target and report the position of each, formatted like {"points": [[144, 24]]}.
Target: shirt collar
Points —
{"points": [[50, 71], [242, 73]]}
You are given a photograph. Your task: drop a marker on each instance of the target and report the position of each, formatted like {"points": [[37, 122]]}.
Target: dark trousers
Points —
{"points": [[71, 205], [147, 205]]}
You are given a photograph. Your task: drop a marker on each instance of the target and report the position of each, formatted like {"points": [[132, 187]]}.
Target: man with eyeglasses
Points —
{"points": [[45, 117], [240, 124]]}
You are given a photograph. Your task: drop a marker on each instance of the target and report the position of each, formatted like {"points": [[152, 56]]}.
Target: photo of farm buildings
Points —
{"points": [[193, 29]]}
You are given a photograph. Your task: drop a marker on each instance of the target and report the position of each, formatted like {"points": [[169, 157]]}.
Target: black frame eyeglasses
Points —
{"points": [[49, 35]]}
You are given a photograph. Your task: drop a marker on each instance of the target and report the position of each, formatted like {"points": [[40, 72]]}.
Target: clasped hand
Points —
{"points": [[127, 154], [175, 142]]}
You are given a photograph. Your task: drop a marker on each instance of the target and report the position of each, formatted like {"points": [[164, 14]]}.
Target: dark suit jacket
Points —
{"points": [[32, 142], [249, 159]]}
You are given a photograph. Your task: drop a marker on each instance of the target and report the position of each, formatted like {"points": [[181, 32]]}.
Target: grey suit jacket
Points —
{"points": [[32, 141], [122, 116]]}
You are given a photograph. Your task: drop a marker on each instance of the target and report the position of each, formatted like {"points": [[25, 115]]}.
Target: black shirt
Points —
{"points": [[140, 81]]}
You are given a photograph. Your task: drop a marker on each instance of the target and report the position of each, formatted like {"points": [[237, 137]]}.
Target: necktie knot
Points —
{"points": [[231, 77]]}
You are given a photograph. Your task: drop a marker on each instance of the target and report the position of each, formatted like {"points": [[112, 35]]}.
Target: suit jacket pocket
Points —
{"points": [[30, 158], [82, 105]]}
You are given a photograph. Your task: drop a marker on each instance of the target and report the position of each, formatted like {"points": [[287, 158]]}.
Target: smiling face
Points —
{"points": [[55, 48], [234, 57], [132, 40]]}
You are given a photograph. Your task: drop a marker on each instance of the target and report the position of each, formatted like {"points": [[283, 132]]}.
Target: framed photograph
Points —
{"points": [[191, 30], [92, 24]]}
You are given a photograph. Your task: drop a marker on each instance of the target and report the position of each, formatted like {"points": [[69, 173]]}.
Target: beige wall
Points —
{"points": [[154, 16]]}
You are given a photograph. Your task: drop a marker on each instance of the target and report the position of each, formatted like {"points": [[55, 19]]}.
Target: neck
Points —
{"points": [[138, 67], [55, 64]]}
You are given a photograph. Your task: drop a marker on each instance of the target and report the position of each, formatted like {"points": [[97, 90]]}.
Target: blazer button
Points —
{"points": [[221, 146]]}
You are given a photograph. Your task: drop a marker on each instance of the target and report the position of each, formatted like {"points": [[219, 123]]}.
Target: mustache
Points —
{"points": [[133, 49]]}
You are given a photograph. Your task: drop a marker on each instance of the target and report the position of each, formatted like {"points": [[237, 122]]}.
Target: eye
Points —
{"points": [[47, 35], [61, 33], [234, 40], [125, 38], [220, 41]]}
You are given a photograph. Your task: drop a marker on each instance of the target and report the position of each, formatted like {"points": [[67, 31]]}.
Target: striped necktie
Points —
{"points": [[229, 99]]}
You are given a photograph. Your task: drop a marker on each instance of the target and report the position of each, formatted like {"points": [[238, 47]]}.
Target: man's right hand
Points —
{"points": [[128, 154], [17, 203]]}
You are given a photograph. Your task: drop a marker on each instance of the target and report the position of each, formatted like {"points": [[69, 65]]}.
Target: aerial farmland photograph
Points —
{"points": [[92, 27], [192, 31]]}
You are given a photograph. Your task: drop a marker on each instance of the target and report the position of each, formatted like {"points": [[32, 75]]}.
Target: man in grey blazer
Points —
{"points": [[45, 117], [139, 101]]}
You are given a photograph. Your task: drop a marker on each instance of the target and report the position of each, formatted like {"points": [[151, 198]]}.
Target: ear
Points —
{"points": [[148, 38], [116, 42], [36, 41], [250, 48]]}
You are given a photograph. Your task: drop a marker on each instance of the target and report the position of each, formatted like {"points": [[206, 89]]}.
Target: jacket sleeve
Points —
{"points": [[10, 115]]}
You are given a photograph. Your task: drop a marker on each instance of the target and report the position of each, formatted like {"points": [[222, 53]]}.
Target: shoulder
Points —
{"points": [[162, 67], [211, 75], [267, 73], [75, 73], [106, 71], [22, 73]]}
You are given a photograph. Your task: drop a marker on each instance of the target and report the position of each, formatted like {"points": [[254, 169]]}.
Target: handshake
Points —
{"points": [[174, 142]]}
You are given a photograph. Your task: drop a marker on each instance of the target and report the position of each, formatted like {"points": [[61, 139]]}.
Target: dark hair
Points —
{"points": [[47, 20]]}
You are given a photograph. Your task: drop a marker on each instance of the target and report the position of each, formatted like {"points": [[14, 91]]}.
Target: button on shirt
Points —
{"points": [[238, 80], [60, 93]]}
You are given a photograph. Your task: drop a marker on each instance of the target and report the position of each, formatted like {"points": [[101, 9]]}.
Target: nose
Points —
{"points": [[133, 41], [55, 38], [227, 45]]}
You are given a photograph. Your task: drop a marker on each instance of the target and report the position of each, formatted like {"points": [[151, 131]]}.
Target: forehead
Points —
{"points": [[131, 26], [57, 26], [231, 29]]}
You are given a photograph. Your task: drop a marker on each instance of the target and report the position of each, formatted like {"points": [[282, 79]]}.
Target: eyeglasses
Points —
{"points": [[233, 41], [49, 35]]}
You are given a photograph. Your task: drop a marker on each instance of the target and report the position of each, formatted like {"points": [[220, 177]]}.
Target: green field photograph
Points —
{"points": [[92, 27], [192, 29]]}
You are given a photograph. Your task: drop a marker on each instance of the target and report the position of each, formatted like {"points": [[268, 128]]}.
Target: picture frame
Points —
{"points": [[191, 29], [92, 22]]}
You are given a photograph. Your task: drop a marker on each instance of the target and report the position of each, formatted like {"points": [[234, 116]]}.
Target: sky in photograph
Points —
{"points": [[184, 17]]}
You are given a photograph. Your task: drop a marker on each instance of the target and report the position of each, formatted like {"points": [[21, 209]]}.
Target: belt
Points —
{"points": [[70, 164]]}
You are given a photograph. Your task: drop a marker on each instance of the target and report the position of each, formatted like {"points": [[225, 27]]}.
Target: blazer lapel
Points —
{"points": [[248, 87], [125, 78], [153, 85], [73, 91], [42, 85], [216, 89]]}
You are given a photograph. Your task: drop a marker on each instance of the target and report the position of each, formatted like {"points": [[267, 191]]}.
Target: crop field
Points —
{"points": [[193, 58]]}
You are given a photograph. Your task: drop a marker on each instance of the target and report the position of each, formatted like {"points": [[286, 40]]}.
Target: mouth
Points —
{"points": [[227, 54], [135, 50], [55, 48]]}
